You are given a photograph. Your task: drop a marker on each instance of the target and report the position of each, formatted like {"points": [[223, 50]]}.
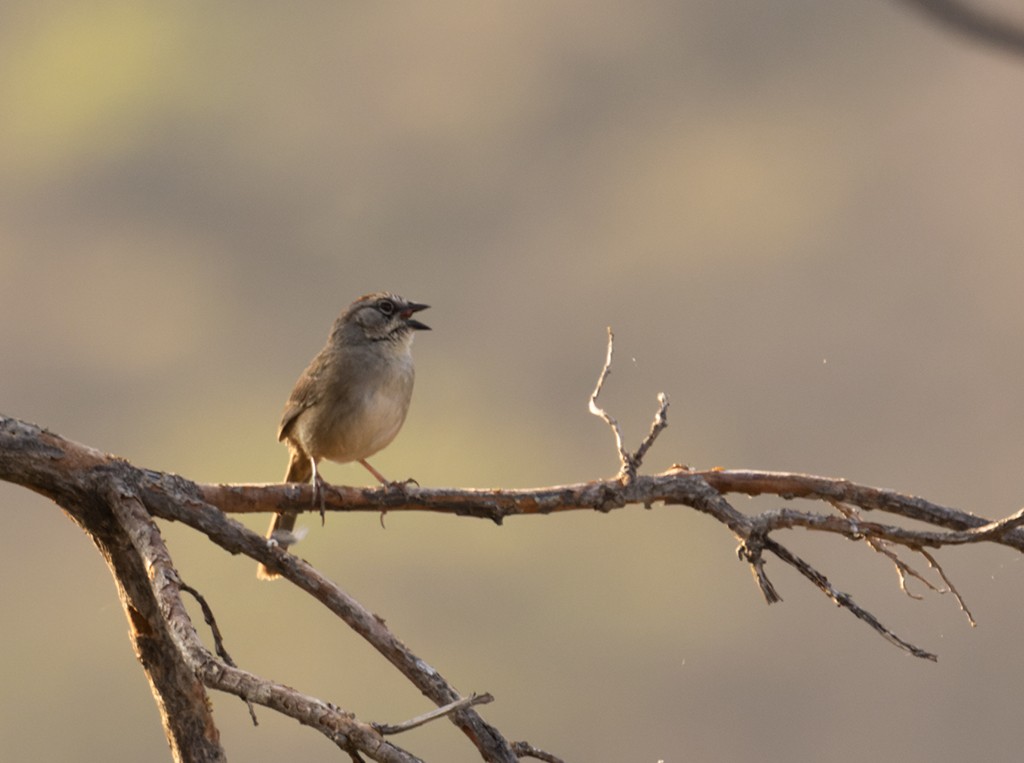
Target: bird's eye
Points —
{"points": [[386, 306]]}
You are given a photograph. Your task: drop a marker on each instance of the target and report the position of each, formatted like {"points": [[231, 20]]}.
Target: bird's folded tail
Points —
{"points": [[281, 527], [300, 469]]}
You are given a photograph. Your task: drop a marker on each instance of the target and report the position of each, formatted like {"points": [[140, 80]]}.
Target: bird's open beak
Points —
{"points": [[414, 307]]}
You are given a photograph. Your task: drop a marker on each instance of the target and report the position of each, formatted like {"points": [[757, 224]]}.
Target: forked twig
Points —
{"points": [[629, 463], [904, 570]]}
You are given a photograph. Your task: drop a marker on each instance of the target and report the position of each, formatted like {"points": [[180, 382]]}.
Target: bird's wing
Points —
{"points": [[305, 394]]}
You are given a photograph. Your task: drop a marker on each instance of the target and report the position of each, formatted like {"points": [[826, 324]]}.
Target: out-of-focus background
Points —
{"points": [[803, 220]]}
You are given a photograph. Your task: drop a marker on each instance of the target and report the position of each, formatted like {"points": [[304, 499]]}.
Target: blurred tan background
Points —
{"points": [[803, 220]]}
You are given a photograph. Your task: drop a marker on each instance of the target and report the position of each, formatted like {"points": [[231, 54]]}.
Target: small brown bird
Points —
{"points": [[352, 399]]}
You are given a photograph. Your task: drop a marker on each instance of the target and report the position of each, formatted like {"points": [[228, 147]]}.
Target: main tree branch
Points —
{"points": [[115, 502], [703, 491]]}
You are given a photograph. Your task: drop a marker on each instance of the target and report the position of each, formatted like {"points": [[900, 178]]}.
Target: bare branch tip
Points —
{"points": [[624, 457], [934, 564]]}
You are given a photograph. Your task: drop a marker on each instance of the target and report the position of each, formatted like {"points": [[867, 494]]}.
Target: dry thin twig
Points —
{"points": [[659, 423], [903, 569], [949, 585], [601, 413], [527, 750], [218, 639], [440, 712]]}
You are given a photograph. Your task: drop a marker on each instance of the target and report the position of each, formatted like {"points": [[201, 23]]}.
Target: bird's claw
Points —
{"points": [[397, 493], [401, 485]]}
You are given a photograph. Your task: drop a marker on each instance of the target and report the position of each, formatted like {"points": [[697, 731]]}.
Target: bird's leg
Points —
{"points": [[399, 488], [384, 480], [380, 477], [318, 492], [387, 482]]}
